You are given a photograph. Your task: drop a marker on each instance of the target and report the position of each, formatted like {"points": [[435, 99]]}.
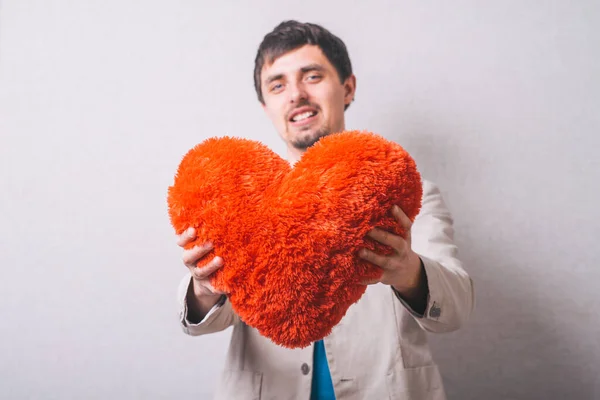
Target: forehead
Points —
{"points": [[293, 61]]}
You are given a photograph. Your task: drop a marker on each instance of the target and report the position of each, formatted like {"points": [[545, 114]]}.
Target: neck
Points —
{"points": [[294, 154]]}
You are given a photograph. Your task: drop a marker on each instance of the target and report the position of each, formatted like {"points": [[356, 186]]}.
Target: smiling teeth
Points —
{"points": [[302, 116]]}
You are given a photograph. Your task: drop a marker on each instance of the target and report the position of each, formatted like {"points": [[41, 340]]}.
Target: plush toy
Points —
{"points": [[290, 237]]}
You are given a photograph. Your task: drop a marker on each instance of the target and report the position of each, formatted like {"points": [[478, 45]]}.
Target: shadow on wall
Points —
{"points": [[513, 347]]}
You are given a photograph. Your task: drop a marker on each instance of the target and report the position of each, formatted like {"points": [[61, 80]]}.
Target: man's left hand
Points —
{"points": [[403, 269]]}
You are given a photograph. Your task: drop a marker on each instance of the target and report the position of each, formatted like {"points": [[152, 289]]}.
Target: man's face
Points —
{"points": [[304, 97]]}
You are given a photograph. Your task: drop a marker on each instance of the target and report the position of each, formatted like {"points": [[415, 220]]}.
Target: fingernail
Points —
{"points": [[190, 232], [396, 209], [218, 260]]}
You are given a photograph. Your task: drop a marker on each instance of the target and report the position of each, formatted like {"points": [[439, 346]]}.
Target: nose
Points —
{"points": [[298, 93]]}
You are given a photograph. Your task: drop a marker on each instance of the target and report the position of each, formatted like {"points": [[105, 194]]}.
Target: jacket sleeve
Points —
{"points": [[451, 295], [219, 318]]}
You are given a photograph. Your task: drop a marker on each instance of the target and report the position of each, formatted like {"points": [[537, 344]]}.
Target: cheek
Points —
{"points": [[335, 104], [334, 97], [276, 113]]}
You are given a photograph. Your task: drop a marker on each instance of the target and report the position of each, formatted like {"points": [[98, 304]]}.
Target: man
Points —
{"points": [[304, 81]]}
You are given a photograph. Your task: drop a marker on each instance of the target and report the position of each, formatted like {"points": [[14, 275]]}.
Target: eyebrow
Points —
{"points": [[312, 67], [304, 70]]}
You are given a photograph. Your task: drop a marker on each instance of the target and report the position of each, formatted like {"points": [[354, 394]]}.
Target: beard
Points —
{"points": [[306, 140]]}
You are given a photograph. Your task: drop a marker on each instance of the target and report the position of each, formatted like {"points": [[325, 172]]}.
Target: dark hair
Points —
{"points": [[290, 35]]}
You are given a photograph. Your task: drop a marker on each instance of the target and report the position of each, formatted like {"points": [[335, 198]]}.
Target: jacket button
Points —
{"points": [[305, 369], [435, 311]]}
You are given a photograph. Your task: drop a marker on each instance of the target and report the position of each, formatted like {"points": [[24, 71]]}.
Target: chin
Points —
{"points": [[304, 141]]}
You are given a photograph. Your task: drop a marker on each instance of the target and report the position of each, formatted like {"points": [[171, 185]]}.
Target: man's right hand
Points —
{"points": [[201, 296]]}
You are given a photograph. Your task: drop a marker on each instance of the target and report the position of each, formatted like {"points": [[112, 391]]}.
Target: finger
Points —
{"points": [[403, 219], [191, 256], [186, 237], [387, 238], [207, 270], [374, 258]]}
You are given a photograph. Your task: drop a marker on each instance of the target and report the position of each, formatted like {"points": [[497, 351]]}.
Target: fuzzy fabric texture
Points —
{"points": [[290, 237]]}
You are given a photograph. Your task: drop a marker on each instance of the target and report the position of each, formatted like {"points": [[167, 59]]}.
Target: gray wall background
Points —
{"points": [[99, 100]]}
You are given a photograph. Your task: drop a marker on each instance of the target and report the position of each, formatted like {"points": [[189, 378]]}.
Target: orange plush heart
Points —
{"points": [[289, 237]]}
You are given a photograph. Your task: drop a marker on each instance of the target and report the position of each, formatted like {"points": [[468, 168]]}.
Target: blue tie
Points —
{"points": [[322, 386]]}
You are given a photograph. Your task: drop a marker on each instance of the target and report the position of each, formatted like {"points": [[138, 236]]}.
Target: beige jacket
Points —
{"points": [[378, 351]]}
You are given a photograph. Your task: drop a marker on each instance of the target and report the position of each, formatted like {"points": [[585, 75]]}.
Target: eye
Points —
{"points": [[276, 88], [313, 77]]}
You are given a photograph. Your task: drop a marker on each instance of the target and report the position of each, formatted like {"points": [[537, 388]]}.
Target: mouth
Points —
{"points": [[303, 116]]}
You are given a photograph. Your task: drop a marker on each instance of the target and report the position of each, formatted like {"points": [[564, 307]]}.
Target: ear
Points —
{"points": [[349, 89]]}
